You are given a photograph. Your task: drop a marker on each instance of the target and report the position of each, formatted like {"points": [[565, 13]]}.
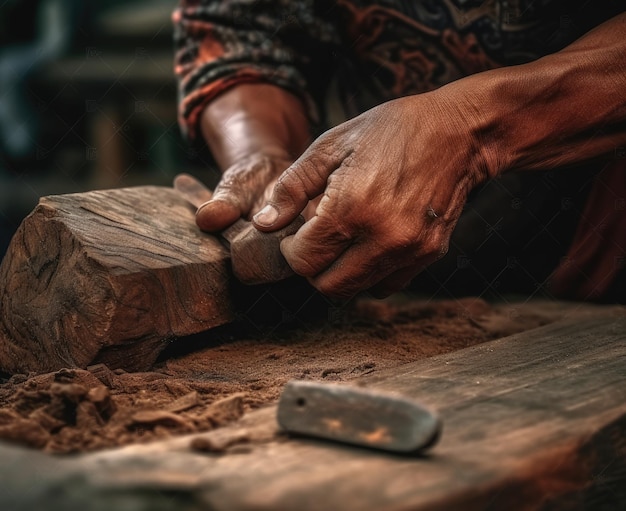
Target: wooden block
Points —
{"points": [[108, 277], [256, 256]]}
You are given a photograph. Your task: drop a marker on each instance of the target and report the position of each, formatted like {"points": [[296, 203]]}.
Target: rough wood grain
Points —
{"points": [[108, 276], [536, 421]]}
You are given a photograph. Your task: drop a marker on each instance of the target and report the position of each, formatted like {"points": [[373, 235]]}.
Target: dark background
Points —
{"points": [[87, 101]]}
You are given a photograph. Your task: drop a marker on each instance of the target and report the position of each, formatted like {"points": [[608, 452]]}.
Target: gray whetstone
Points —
{"points": [[359, 416]]}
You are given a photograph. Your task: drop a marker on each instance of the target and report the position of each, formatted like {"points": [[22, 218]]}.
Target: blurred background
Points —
{"points": [[87, 101]]}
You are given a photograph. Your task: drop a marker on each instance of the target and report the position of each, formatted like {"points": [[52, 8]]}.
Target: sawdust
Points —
{"points": [[215, 379]]}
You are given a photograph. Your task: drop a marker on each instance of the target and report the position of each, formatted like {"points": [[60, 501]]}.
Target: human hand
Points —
{"points": [[394, 182], [254, 131], [243, 190]]}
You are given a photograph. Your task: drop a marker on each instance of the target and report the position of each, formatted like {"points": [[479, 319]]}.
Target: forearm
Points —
{"points": [[255, 118], [559, 110]]}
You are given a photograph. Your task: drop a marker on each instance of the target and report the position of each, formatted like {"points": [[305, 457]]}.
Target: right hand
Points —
{"points": [[243, 190]]}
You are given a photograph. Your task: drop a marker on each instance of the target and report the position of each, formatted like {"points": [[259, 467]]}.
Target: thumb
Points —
{"points": [[241, 187], [213, 212], [304, 180], [223, 209]]}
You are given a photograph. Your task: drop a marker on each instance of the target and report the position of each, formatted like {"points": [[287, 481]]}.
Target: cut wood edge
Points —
{"points": [[100, 277]]}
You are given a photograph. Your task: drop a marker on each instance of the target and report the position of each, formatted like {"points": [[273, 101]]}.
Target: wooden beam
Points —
{"points": [[108, 276]]}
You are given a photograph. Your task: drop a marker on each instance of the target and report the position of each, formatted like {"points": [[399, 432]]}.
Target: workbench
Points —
{"points": [[532, 421]]}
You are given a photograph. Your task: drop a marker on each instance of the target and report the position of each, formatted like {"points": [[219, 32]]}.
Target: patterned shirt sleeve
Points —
{"points": [[223, 43]]}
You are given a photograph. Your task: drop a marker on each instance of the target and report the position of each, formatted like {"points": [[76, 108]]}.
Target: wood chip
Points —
{"points": [[159, 416], [218, 445], [184, 403], [103, 373], [101, 398]]}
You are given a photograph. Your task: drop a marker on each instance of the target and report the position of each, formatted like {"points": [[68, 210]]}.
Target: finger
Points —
{"points": [[240, 190], [304, 180], [233, 198], [360, 267], [311, 208], [397, 281], [314, 247], [214, 213], [217, 214], [192, 189]]}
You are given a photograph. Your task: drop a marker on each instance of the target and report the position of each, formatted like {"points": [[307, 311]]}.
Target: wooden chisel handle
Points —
{"points": [[255, 255]]}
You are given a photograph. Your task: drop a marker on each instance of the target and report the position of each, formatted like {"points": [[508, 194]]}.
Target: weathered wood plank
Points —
{"points": [[108, 276], [536, 421]]}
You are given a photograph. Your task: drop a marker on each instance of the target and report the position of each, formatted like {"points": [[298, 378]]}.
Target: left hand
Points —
{"points": [[242, 191], [394, 182]]}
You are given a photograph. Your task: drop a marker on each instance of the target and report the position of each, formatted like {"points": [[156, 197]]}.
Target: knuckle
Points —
{"points": [[256, 168], [335, 285], [233, 180], [231, 195], [310, 175], [290, 181], [226, 183], [286, 193], [224, 188], [429, 247], [407, 245], [398, 239], [436, 244], [297, 183], [234, 174], [386, 263]]}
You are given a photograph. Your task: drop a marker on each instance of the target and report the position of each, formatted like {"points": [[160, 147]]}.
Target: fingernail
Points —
{"points": [[267, 216], [201, 206]]}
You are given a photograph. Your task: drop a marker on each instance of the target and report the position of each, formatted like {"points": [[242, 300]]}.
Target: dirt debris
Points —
{"points": [[74, 410]]}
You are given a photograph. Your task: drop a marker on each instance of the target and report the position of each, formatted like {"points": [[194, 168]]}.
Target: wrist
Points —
{"points": [[255, 119], [467, 127], [515, 119], [560, 110]]}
